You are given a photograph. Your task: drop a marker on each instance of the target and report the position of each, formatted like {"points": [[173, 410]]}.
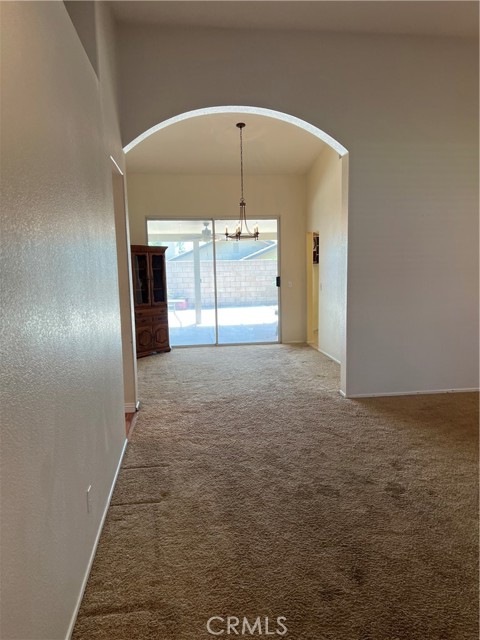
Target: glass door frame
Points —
{"points": [[279, 289], [214, 263]]}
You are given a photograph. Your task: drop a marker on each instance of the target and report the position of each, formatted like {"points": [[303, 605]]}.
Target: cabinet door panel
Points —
{"points": [[141, 279], [144, 338], [158, 279], [160, 336]]}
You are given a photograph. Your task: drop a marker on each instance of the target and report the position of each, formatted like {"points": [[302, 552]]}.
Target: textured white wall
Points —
{"points": [[179, 196], [324, 215], [62, 389], [406, 108]]}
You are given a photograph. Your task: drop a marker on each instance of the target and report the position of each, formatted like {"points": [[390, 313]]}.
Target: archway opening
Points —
{"points": [[269, 113], [323, 213]]}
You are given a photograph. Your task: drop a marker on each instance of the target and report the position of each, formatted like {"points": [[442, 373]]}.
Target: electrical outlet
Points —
{"points": [[89, 499]]}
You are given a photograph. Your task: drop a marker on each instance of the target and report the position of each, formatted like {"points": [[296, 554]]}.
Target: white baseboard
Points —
{"points": [[328, 355], [130, 407], [408, 393], [325, 353], [95, 544]]}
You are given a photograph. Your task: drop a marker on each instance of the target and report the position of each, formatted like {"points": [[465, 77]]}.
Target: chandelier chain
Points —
{"points": [[241, 165], [242, 222]]}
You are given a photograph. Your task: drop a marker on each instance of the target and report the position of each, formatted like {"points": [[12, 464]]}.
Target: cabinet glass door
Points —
{"points": [[140, 279], [158, 280]]}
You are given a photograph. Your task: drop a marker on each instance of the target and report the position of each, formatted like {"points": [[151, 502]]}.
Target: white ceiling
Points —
{"points": [[411, 17], [210, 144]]}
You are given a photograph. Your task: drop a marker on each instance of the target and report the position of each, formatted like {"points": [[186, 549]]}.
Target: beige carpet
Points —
{"points": [[251, 488]]}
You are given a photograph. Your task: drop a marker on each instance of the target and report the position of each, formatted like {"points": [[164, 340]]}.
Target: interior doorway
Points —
{"points": [[170, 180], [219, 292], [313, 281]]}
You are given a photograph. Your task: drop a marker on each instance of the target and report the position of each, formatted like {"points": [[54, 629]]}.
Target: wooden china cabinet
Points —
{"points": [[150, 299]]}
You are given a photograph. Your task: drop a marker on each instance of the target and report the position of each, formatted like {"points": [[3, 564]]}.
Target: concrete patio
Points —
{"points": [[235, 325]]}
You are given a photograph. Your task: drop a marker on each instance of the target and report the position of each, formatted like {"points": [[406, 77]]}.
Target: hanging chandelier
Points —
{"points": [[239, 230]]}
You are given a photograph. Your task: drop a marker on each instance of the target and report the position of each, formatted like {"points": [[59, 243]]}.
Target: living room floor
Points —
{"points": [[251, 489]]}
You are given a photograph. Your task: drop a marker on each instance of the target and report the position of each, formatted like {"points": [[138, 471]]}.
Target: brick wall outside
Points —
{"points": [[239, 283]]}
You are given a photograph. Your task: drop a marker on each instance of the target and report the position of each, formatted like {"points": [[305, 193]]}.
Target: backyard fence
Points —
{"points": [[239, 282]]}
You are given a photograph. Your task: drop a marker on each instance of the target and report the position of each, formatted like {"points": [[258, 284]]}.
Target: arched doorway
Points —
{"points": [[318, 219]]}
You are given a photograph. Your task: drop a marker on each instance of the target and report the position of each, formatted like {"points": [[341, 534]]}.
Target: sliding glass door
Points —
{"points": [[219, 292], [190, 279], [247, 295]]}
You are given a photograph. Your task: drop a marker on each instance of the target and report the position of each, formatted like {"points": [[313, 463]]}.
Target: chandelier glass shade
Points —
{"points": [[242, 230]]}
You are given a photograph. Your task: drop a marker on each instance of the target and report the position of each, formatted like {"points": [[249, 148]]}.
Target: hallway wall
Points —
{"points": [[63, 425], [325, 215], [406, 108], [197, 196]]}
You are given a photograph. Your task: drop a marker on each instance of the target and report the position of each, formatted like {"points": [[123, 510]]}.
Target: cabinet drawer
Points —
{"points": [[158, 318], [142, 321]]}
